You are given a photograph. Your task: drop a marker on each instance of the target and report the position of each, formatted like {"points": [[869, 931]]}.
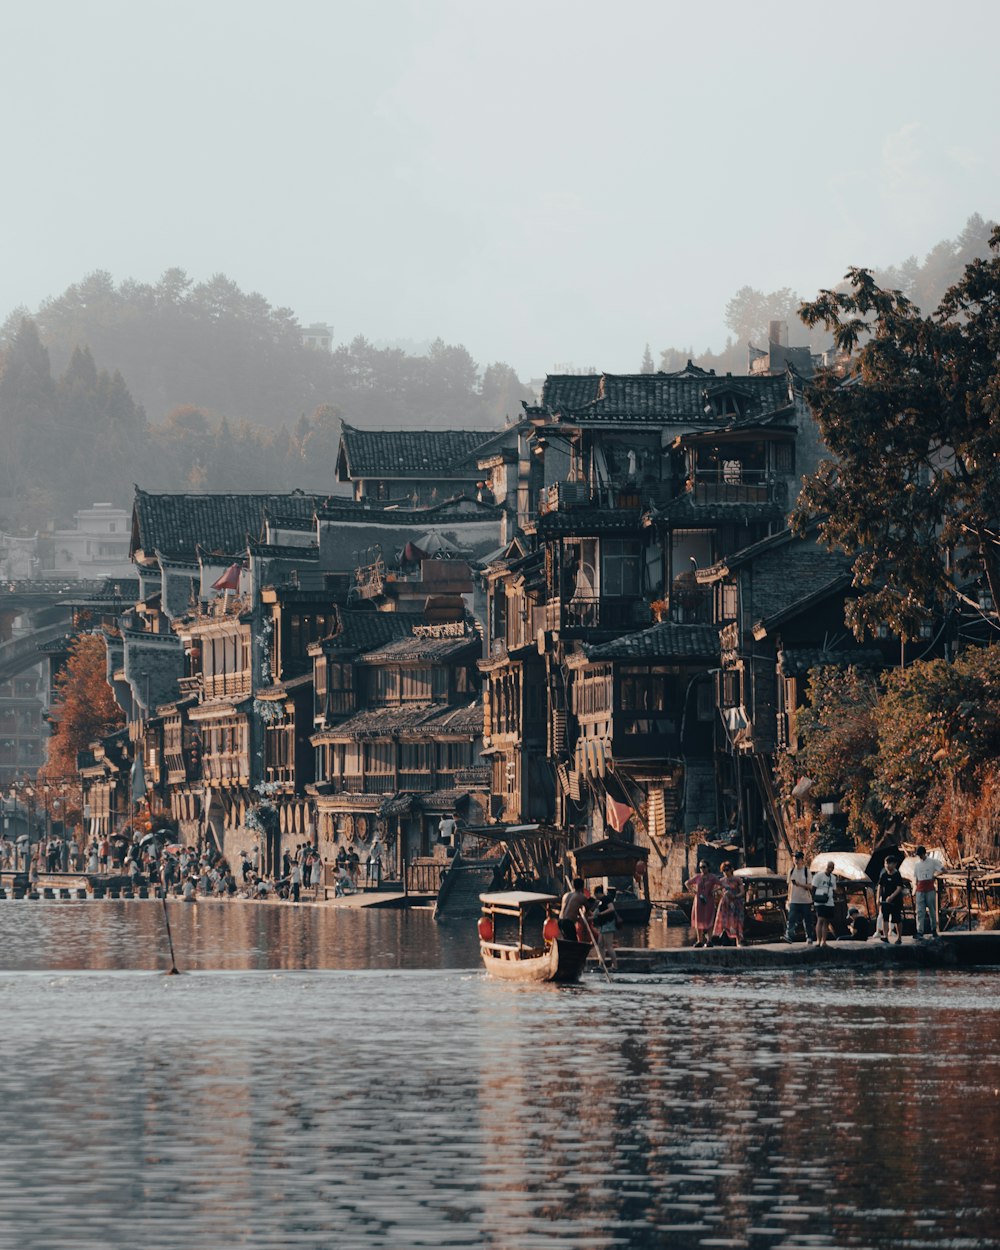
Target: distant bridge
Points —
{"points": [[48, 606]]}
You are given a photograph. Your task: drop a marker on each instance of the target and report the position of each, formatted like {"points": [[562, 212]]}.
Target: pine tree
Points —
{"points": [[647, 361]]}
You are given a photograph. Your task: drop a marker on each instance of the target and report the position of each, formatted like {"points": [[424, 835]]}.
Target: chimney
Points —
{"points": [[777, 332]]}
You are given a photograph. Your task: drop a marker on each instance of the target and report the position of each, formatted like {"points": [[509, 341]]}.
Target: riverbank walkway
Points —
{"points": [[948, 950]]}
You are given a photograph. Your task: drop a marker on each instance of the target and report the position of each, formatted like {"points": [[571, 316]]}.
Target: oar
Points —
{"points": [[174, 971], [596, 945]]}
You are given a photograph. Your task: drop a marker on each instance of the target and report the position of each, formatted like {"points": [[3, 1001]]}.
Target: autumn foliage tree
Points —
{"points": [[911, 489], [84, 709]]}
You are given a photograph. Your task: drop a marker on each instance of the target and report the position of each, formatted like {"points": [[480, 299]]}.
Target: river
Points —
{"points": [[341, 1079]]}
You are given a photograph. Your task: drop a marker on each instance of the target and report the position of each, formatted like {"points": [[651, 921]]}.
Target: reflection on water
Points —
{"points": [[379, 1107]]}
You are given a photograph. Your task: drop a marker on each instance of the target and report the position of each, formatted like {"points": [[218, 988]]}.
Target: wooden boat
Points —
{"points": [[512, 939], [625, 866]]}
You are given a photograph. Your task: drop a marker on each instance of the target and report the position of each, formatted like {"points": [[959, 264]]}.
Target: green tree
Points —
{"points": [[647, 365], [838, 742], [750, 312], [911, 488]]}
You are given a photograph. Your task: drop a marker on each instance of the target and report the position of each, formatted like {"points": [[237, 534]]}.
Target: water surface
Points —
{"points": [[370, 1087]]}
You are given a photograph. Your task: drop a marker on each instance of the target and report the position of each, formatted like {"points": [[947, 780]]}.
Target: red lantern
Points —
{"points": [[486, 929], [550, 930]]}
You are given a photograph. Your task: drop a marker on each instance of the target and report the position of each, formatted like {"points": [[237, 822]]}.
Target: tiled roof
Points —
{"points": [[363, 631], [587, 520], [408, 453], [641, 398], [661, 642], [456, 508], [417, 719], [422, 649], [177, 524], [798, 660]]}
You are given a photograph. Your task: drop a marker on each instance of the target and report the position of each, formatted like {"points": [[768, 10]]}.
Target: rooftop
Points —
{"points": [[408, 453], [640, 398], [178, 524], [661, 642]]}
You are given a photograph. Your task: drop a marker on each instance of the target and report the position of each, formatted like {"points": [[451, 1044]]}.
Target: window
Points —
{"points": [[415, 757], [784, 458], [385, 685], [416, 683], [727, 602], [620, 572], [642, 690], [729, 689]]}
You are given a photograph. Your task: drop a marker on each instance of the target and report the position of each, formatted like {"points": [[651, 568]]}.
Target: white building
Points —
{"points": [[98, 547]]}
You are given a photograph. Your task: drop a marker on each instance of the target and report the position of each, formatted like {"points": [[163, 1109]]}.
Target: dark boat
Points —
{"points": [[618, 861], [513, 941]]}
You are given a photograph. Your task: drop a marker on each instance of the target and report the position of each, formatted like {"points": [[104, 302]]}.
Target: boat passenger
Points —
{"points": [[573, 903], [730, 895], [608, 922], [703, 886], [823, 887]]}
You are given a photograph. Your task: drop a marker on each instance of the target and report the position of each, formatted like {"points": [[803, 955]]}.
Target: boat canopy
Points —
{"points": [[759, 873], [516, 900], [851, 865], [609, 858]]}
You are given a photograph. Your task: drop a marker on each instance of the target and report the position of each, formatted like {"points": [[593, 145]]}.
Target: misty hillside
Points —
{"points": [[749, 311], [231, 354], [184, 386]]}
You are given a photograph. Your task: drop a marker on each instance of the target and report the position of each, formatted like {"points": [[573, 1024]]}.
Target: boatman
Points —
{"points": [[573, 902]]}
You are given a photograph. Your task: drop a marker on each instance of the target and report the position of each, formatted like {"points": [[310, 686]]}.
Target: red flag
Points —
{"points": [[230, 580], [618, 814]]}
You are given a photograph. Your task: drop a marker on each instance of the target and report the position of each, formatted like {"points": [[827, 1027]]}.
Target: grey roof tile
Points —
{"points": [[661, 398], [661, 642], [178, 524], [410, 453]]}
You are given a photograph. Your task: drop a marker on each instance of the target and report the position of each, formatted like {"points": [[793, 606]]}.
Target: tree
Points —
{"points": [[647, 362], [838, 742], [750, 312], [911, 488], [938, 726], [84, 709]]}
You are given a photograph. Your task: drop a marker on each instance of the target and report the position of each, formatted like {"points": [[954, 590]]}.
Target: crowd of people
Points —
{"points": [[718, 908], [184, 871]]}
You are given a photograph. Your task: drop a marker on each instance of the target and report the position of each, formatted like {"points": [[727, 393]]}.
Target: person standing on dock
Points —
{"points": [[730, 894], [890, 897], [703, 886], [823, 889], [800, 901], [925, 892]]}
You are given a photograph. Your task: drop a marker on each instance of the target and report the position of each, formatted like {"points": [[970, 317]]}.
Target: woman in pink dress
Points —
{"points": [[729, 895], [703, 886]]}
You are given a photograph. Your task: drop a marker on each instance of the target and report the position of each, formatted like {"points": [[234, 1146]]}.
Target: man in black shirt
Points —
{"points": [[890, 897]]}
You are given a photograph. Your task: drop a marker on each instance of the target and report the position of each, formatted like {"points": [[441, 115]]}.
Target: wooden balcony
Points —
{"points": [[597, 613], [228, 685]]}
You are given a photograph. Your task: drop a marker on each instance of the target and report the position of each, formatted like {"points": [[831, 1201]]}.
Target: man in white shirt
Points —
{"points": [[925, 892], [800, 910]]}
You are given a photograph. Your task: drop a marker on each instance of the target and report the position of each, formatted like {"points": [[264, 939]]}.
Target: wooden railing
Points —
{"points": [[228, 685]]}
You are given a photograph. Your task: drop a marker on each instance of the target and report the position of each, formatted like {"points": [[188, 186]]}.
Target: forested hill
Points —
{"points": [[750, 310], [231, 354]]}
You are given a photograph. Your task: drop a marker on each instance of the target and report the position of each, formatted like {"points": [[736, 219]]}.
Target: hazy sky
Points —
{"points": [[542, 181]]}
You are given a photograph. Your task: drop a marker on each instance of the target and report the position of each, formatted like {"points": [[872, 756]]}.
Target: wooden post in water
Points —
{"points": [[170, 940]]}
